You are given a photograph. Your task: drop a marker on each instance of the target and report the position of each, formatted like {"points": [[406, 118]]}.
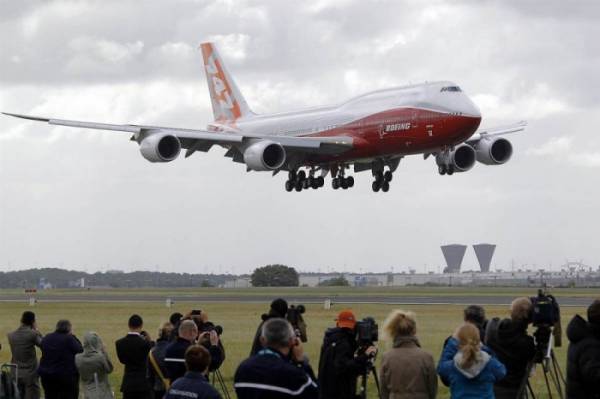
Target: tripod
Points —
{"points": [[553, 375], [218, 377], [364, 377]]}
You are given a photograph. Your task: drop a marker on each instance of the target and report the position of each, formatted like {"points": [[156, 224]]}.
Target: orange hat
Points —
{"points": [[346, 319]]}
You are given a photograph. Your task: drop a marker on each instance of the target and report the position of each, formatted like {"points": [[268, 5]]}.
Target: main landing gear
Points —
{"points": [[299, 181], [341, 181], [382, 180]]}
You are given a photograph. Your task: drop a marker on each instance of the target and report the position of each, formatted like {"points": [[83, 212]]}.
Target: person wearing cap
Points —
{"points": [[341, 361], [279, 309], [583, 355]]}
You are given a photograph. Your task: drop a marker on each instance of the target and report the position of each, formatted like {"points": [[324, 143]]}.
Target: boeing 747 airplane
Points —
{"points": [[373, 131]]}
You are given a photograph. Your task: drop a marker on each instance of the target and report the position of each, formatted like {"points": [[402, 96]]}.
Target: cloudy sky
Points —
{"points": [[88, 200]]}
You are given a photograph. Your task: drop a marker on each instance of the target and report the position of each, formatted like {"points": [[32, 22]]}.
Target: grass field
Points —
{"points": [[239, 321]]}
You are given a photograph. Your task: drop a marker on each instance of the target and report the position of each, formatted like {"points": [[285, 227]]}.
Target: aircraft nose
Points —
{"points": [[472, 110]]}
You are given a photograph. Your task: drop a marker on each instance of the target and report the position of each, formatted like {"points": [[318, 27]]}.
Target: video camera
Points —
{"points": [[294, 316], [545, 317], [367, 332]]}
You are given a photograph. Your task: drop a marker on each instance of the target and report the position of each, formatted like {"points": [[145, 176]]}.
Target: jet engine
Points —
{"points": [[493, 151], [160, 147], [461, 159], [264, 155]]}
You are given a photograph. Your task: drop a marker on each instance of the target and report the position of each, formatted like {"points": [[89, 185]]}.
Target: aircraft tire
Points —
{"points": [[350, 181], [442, 169], [385, 186], [301, 175], [344, 183], [298, 185], [321, 181], [388, 175], [289, 185], [335, 183], [375, 186], [450, 170]]}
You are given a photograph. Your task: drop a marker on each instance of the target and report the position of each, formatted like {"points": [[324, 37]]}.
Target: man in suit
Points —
{"points": [[132, 351], [22, 345]]}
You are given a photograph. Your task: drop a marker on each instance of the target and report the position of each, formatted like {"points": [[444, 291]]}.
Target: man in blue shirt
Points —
{"points": [[194, 383], [278, 371]]}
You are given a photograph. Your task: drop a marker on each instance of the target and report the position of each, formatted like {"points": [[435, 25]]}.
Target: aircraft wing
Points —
{"points": [[202, 140], [497, 131]]}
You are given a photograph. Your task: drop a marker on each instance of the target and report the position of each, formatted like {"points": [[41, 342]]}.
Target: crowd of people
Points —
{"points": [[481, 359]]}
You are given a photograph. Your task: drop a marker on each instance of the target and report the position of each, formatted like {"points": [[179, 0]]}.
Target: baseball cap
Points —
{"points": [[346, 319]]}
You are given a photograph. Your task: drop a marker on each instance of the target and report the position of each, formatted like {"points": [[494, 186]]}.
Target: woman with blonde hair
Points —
{"points": [[407, 371], [471, 371]]}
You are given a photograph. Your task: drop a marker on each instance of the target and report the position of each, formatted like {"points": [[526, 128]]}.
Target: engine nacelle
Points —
{"points": [[264, 155], [160, 147], [461, 159], [493, 151]]}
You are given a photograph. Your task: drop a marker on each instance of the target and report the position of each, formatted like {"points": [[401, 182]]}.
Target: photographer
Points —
{"points": [[22, 345], [209, 337], [157, 370], [280, 370], [132, 351], [279, 309], [514, 348], [407, 371], [57, 365], [583, 356], [339, 364]]}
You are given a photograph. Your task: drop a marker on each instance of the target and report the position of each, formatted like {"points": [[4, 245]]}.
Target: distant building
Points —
{"points": [[454, 254], [484, 253]]}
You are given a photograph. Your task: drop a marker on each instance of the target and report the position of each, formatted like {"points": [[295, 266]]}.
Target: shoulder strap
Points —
{"points": [[158, 371]]}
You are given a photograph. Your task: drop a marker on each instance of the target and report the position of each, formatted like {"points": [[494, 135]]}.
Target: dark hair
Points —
{"points": [[279, 307], [28, 318], [593, 312], [197, 358], [175, 318], [63, 326], [135, 321], [475, 314]]}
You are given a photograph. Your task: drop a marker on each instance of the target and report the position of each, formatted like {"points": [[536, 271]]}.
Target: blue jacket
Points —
{"points": [[58, 355], [476, 382], [270, 375], [175, 362], [192, 385]]}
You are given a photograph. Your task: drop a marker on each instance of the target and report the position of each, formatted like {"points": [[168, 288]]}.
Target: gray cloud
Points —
{"points": [[87, 199]]}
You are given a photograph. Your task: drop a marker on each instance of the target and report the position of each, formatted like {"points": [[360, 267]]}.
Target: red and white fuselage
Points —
{"points": [[370, 132]]}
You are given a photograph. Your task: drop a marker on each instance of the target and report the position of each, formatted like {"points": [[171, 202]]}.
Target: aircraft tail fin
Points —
{"points": [[227, 101]]}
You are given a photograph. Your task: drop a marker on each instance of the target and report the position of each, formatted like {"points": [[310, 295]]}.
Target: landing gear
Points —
{"points": [[446, 169], [297, 180], [382, 180]]}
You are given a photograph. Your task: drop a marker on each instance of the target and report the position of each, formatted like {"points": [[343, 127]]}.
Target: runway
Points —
{"points": [[463, 300]]}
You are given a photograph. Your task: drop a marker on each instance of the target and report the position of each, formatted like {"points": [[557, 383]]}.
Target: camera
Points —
{"points": [[546, 311], [294, 316], [367, 332], [545, 317], [208, 327]]}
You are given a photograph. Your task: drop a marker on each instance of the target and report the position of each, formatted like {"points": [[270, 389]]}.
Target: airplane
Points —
{"points": [[372, 131]]}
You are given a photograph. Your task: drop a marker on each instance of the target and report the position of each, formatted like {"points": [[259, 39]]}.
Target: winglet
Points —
{"points": [[33, 118]]}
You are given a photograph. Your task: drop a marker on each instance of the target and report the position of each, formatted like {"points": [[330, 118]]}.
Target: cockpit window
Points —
{"points": [[450, 88]]}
